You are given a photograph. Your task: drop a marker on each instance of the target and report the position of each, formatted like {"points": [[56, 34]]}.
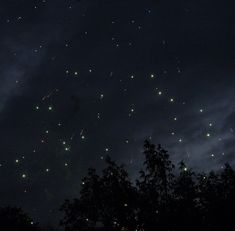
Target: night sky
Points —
{"points": [[83, 79]]}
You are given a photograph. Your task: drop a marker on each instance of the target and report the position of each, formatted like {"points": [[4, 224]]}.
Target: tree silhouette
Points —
{"points": [[107, 201], [12, 218], [118, 207], [83, 213], [162, 199], [184, 210], [154, 186], [217, 197], [227, 196]]}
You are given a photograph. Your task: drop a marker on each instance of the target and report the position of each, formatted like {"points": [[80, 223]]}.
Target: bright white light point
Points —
{"points": [[83, 137], [17, 161], [132, 77], [208, 134], [75, 73], [37, 107], [132, 110], [63, 142], [31, 223], [210, 124], [152, 75], [125, 205], [171, 100], [50, 108], [172, 133], [159, 93], [47, 170], [101, 96], [180, 140], [67, 72], [175, 118], [185, 169], [90, 70], [47, 131], [212, 155], [66, 149], [23, 176], [106, 149], [65, 164], [201, 110]]}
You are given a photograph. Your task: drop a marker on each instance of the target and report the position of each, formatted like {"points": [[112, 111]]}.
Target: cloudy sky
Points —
{"points": [[83, 79]]}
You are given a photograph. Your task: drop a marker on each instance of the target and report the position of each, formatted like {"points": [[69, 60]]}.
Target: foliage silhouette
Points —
{"points": [[108, 201], [162, 198], [15, 219], [154, 187]]}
